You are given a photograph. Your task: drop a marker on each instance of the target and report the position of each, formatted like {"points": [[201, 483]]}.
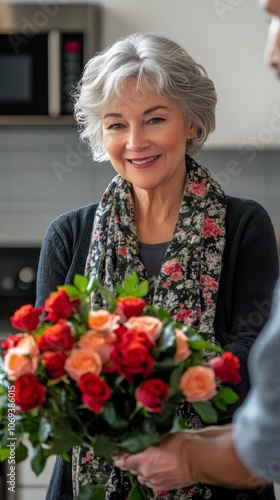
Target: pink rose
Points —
{"points": [[148, 324], [183, 351], [18, 362], [82, 361], [98, 342], [198, 383], [102, 321]]}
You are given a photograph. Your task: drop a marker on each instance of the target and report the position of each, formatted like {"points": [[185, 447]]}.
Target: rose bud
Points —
{"points": [[95, 391]]}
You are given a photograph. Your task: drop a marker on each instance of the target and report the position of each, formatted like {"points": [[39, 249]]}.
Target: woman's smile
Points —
{"points": [[144, 162]]}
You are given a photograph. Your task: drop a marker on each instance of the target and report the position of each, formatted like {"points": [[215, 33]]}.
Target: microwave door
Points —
{"points": [[24, 74]]}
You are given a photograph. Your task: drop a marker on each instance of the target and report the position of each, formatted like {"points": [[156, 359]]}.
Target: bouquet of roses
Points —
{"points": [[112, 378]]}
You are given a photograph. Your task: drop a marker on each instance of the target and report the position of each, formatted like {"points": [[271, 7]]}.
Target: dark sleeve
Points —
{"points": [[249, 275], [64, 250], [63, 254]]}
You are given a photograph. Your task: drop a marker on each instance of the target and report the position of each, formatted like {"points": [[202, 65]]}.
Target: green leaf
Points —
{"points": [[91, 492], [229, 395], [136, 493], [117, 422], [4, 454], [38, 460], [44, 429], [81, 282], [206, 411], [142, 290], [175, 377], [168, 339], [132, 288], [70, 290], [130, 282], [105, 447], [21, 452], [139, 441], [219, 402]]}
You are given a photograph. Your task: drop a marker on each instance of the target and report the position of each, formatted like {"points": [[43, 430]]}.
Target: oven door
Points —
{"points": [[24, 74]]}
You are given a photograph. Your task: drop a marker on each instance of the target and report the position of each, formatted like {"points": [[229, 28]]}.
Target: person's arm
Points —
{"points": [[187, 457]]}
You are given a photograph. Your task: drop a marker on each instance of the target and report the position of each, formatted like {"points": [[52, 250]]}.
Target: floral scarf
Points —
{"points": [[187, 285]]}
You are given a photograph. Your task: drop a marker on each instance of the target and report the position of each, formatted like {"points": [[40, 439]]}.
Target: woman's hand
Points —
{"points": [[161, 467]]}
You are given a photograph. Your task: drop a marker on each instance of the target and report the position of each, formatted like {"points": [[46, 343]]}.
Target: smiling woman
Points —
{"points": [[147, 106]]}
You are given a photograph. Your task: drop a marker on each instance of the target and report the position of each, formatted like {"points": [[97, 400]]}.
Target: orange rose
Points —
{"points": [[17, 363], [28, 345], [98, 342], [183, 351], [148, 324], [83, 361], [102, 320], [198, 384]]}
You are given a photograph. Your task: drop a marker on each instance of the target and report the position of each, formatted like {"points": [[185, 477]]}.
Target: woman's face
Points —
{"points": [[273, 40], [145, 136]]}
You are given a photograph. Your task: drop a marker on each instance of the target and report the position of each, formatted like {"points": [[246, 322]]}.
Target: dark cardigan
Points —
{"points": [[249, 273]]}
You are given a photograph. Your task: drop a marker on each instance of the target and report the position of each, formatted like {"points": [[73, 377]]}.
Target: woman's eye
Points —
{"points": [[156, 120], [114, 126]]}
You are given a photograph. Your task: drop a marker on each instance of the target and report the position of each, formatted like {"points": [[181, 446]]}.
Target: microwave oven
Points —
{"points": [[43, 50]]}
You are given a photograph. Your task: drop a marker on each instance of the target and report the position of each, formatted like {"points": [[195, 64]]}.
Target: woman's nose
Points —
{"points": [[137, 139]]}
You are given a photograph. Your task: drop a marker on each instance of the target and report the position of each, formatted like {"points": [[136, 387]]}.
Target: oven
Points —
{"points": [[18, 271]]}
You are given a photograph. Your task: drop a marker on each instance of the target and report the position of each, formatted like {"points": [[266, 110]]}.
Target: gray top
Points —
{"points": [[257, 422], [152, 254]]}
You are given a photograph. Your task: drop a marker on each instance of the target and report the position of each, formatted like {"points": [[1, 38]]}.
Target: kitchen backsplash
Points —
{"points": [[46, 171]]}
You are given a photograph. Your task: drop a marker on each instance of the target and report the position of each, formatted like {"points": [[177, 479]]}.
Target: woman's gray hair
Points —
{"points": [[154, 59]]}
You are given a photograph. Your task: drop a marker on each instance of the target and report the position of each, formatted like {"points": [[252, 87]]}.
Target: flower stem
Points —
{"points": [[139, 491]]}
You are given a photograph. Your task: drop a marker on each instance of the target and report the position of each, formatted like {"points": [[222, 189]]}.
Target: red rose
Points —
{"points": [[29, 392], [54, 363], [226, 367], [131, 358], [95, 391], [152, 394], [130, 306], [11, 341], [139, 337], [58, 306], [26, 318], [56, 338]]}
